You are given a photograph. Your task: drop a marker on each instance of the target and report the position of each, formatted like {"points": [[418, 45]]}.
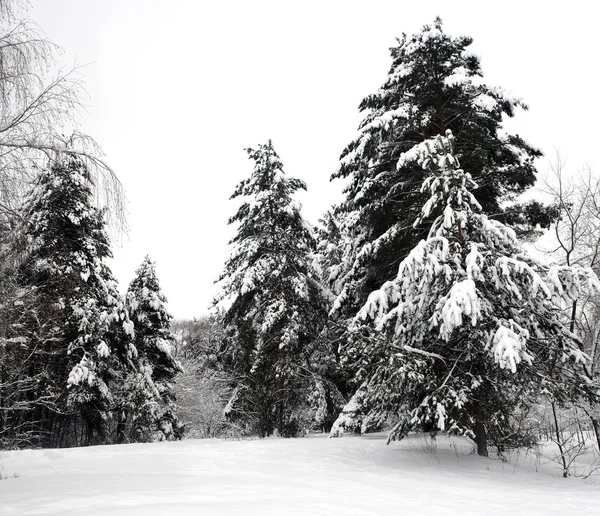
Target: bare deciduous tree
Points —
{"points": [[576, 241], [204, 387], [38, 113]]}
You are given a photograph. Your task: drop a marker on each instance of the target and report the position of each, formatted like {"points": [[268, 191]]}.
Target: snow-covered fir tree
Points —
{"points": [[333, 246], [473, 324], [72, 319], [435, 83], [276, 305], [150, 409], [335, 379]]}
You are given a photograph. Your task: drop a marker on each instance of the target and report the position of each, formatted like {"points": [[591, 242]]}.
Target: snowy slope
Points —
{"points": [[312, 476]]}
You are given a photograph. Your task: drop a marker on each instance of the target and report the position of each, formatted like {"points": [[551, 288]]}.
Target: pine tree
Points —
{"points": [[473, 324], [276, 304], [72, 319], [434, 84], [151, 402]]}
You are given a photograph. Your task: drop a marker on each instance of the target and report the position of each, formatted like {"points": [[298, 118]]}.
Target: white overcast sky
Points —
{"points": [[178, 88]]}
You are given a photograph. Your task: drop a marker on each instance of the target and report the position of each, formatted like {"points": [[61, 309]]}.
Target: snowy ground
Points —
{"points": [[352, 476]]}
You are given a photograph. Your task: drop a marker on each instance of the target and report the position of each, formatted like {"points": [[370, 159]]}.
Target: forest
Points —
{"points": [[452, 291]]}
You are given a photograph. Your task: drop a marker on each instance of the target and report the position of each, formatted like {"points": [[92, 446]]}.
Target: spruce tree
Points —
{"points": [[434, 84], [472, 325], [276, 305], [151, 403], [72, 318]]}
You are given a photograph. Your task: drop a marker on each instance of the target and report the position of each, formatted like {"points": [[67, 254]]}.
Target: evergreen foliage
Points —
{"points": [[150, 401], [472, 325], [276, 307], [434, 84], [67, 319]]}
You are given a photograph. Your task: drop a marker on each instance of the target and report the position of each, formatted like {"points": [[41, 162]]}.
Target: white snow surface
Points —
{"points": [[312, 476]]}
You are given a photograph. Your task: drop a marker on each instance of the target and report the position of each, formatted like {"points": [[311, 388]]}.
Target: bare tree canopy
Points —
{"points": [[576, 241], [38, 114]]}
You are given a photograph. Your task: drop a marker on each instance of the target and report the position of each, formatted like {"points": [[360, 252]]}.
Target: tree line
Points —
{"points": [[79, 363], [413, 305]]}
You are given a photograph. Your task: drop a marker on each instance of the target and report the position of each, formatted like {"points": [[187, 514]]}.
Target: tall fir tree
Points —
{"points": [[434, 84], [277, 307], [473, 325], [150, 410], [71, 317]]}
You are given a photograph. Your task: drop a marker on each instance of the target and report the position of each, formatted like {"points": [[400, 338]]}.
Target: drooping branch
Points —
{"points": [[38, 113]]}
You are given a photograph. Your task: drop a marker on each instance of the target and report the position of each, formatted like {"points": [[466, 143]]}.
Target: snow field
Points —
{"points": [[355, 476]]}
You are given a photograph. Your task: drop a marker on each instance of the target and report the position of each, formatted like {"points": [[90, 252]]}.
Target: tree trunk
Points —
{"points": [[281, 392], [121, 425], [559, 443], [596, 425], [480, 435], [589, 373]]}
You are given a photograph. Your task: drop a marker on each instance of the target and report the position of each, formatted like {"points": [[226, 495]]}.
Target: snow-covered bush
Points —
{"points": [[202, 395]]}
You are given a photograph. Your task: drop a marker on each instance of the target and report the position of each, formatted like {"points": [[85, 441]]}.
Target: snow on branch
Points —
{"points": [[509, 346], [406, 347], [461, 300]]}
